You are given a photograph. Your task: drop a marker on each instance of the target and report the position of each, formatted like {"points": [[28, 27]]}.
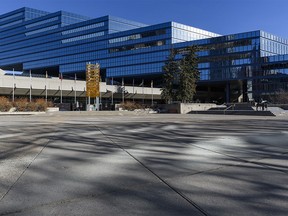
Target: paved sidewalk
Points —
{"points": [[86, 163]]}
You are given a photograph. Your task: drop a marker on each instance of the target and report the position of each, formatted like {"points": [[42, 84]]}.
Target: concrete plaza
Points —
{"points": [[122, 163]]}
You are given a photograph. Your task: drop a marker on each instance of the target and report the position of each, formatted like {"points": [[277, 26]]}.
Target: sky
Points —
{"points": [[219, 16]]}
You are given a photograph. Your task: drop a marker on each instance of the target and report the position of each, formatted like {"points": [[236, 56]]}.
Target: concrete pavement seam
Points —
{"points": [[244, 160], [26, 168], [65, 201], [157, 176]]}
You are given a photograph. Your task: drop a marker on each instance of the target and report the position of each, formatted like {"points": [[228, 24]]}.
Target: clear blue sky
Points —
{"points": [[220, 16]]}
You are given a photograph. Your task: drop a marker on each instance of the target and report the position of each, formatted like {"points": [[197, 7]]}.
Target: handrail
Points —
{"points": [[233, 105]]}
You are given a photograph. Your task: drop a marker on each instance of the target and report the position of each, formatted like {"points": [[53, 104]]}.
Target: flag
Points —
{"points": [[60, 76], [75, 77], [46, 75], [151, 83]]}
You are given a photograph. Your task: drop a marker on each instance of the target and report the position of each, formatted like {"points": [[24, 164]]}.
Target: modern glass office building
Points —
{"points": [[236, 67]]}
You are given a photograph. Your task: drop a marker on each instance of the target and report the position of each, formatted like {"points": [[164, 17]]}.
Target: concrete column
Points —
{"points": [[227, 90], [209, 93], [244, 91]]}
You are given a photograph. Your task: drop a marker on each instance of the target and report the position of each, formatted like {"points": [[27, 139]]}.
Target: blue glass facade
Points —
{"points": [[250, 65]]}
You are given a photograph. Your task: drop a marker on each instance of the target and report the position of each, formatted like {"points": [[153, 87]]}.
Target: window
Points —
{"points": [[83, 37], [10, 24], [41, 30], [11, 17], [96, 25], [138, 36], [42, 22], [137, 46]]}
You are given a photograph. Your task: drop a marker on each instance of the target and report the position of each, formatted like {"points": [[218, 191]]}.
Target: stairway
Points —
{"points": [[235, 109], [277, 111]]}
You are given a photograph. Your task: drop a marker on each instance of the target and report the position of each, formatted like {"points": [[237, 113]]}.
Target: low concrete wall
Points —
{"points": [[188, 107], [184, 108]]}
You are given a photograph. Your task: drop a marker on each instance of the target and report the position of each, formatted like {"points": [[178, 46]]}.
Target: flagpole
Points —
{"points": [[122, 90], [75, 98], [61, 76], [30, 86], [143, 91], [46, 86], [133, 89], [112, 91], [152, 91], [13, 95]]}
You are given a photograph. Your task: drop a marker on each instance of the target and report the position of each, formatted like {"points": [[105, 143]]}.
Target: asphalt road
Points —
{"points": [[79, 163]]}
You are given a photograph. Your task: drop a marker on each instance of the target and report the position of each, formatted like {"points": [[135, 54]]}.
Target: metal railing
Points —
{"points": [[228, 108]]}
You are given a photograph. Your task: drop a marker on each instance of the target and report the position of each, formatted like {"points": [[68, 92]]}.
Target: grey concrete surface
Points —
{"points": [[128, 163]]}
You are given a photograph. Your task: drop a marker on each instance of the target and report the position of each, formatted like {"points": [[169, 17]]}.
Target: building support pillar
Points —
{"points": [[227, 90], [250, 91], [244, 91], [209, 94]]}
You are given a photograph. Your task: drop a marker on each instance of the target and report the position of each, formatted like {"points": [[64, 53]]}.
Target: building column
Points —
{"points": [[209, 94], [250, 91], [244, 91], [227, 90]]}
